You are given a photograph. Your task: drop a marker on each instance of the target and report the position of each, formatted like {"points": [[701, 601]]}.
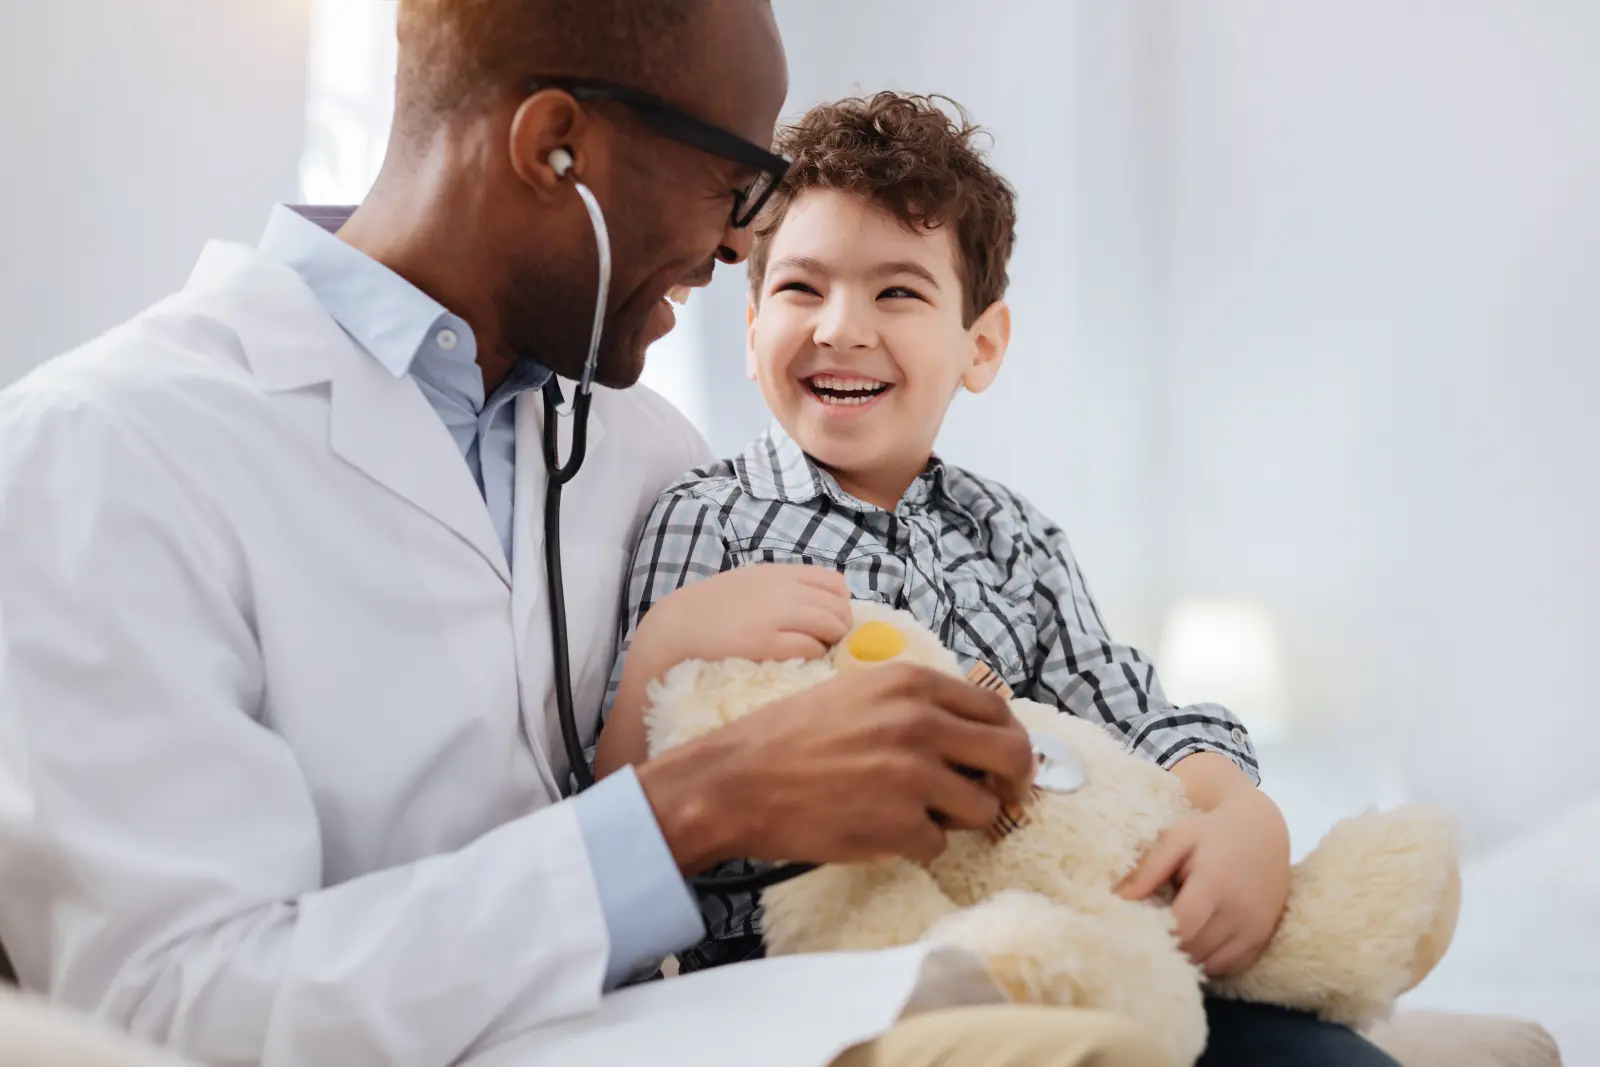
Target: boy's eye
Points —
{"points": [[900, 292], [795, 287]]}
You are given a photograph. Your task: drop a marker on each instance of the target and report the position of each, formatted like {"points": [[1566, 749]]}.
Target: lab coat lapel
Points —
{"points": [[385, 427], [379, 424], [530, 594]]}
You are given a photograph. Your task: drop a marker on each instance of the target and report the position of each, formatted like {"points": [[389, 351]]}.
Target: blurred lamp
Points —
{"points": [[1226, 652]]}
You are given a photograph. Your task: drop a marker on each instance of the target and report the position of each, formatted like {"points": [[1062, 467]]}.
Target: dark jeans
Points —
{"points": [[1254, 1035]]}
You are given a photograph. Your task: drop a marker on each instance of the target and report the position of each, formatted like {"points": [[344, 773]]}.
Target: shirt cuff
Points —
{"points": [[649, 910], [1167, 738]]}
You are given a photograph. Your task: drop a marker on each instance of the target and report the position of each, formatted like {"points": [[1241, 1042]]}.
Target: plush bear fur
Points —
{"points": [[1370, 910]]}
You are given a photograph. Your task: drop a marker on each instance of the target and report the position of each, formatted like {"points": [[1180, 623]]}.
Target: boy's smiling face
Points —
{"points": [[858, 342]]}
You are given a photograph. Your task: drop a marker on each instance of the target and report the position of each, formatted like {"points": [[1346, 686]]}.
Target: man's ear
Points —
{"points": [[543, 123], [750, 313], [990, 335]]}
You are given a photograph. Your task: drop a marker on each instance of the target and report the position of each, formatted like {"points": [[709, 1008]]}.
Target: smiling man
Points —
{"points": [[277, 705]]}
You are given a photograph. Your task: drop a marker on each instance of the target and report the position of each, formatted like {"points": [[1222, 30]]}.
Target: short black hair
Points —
{"points": [[460, 55]]}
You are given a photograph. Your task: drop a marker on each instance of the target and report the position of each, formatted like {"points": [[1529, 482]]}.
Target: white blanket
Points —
{"points": [[799, 1011]]}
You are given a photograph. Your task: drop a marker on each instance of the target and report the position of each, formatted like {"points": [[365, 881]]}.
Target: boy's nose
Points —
{"points": [[841, 325]]}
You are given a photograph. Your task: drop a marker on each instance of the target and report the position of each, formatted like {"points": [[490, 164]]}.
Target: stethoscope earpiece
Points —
{"points": [[561, 162]]}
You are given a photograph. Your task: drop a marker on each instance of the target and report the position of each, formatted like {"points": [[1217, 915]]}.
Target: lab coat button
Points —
{"points": [[447, 339]]}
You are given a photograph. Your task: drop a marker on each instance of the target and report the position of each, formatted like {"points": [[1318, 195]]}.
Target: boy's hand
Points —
{"points": [[766, 611], [1230, 866]]}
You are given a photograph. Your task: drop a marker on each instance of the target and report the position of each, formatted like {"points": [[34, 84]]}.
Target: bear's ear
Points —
{"points": [[890, 635], [874, 641]]}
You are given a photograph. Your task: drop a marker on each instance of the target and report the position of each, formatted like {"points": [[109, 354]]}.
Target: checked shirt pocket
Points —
{"points": [[996, 627]]}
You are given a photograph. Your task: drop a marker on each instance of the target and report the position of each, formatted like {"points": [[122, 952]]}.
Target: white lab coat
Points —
{"points": [[279, 757]]}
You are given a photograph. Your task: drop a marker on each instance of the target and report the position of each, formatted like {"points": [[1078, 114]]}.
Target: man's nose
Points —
{"points": [[736, 245]]}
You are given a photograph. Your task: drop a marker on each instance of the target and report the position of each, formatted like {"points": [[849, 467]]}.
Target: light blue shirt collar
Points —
{"points": [[385, 314], [410, 333], [403, 328]]}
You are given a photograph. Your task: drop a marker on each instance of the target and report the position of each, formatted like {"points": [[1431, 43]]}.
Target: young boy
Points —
{"points": [[876, 293]]}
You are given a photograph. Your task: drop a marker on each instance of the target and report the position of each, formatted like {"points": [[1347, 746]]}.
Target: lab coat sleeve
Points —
{"points": [[648, 907], [159, 847]]}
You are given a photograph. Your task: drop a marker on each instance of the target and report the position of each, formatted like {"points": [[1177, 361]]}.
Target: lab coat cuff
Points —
{"points": [[649, 910]]}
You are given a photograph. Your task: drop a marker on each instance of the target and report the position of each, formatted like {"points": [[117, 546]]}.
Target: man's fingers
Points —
{"points": [[1157, 867], [963, 802], [1003, 753], [923, 842], [961, 698]]}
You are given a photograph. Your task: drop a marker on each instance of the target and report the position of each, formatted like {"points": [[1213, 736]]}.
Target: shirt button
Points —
{"points": [[446, 339]]}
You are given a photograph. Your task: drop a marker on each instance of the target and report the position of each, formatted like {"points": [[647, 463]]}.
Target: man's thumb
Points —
{"points": [[1157, 866]]}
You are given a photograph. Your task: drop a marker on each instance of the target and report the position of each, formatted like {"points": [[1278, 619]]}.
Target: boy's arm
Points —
{"points": [[681, 542], [1230, 862], [1083, 671]]}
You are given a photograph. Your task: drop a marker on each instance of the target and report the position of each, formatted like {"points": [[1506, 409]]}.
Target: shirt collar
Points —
{"points": [[385, 314], [775, 467]]}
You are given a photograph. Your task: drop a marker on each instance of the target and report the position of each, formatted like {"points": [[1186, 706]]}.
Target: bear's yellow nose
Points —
{"points": [[876, 642]]}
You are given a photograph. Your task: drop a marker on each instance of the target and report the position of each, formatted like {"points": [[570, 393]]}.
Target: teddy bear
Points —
{"points": [[1370, 912]]}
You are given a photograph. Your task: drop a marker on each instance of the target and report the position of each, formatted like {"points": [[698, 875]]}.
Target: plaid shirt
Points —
{"points": [[975, 562]]}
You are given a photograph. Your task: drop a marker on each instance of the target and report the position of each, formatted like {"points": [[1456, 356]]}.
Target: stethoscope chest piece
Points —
{"points": [[1059, 768]]}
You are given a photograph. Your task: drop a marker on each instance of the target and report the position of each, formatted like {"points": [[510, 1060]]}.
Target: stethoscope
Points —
{"points": [[1060, 770], [560, 475]]}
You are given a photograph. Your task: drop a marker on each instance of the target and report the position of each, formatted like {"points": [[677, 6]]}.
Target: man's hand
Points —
{"points": [[1231, 869], [861, 767]]}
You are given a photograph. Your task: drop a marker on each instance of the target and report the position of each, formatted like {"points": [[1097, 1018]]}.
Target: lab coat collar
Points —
{"points": [[387, 315], [380, 424]]}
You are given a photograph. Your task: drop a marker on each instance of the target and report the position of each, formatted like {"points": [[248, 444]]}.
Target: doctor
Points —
{"points": [[280, 776]]}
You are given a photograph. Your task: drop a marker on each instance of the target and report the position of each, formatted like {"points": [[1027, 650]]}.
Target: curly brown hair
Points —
{"points": [[911, 158]]}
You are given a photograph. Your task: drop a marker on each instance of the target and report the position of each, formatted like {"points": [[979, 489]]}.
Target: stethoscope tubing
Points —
{"points": [[560, 474]]}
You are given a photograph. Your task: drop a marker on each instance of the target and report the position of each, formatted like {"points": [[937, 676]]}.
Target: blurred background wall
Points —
{"points": [[130, 132], [1384, 310], [1307, 336]]}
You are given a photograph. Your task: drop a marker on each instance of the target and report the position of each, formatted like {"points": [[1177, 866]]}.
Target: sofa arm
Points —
{"points": [[1457, 1039]]}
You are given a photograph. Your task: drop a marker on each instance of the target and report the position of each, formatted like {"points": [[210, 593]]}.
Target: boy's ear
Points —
{"points": [[750, 312], [990, 335]]}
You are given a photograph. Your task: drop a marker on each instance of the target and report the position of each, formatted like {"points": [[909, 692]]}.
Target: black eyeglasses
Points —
{"points": [[684, 128]]}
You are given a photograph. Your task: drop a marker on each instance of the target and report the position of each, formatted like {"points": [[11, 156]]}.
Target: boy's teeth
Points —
{"points": [[846, 391], [678, 294], [846, 385]]}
